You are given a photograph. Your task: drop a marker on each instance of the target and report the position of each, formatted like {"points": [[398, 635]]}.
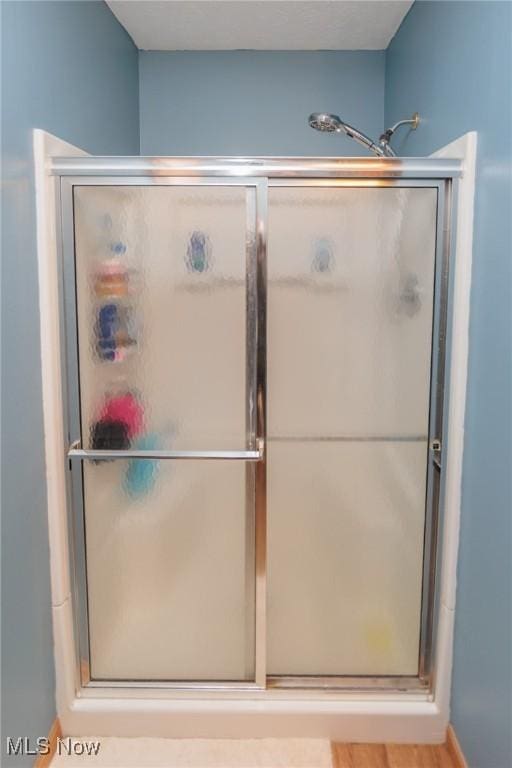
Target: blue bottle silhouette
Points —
{"points": [[198, 252]]}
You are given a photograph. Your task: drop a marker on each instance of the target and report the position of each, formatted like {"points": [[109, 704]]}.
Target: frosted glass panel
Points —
{"points": [[170, 570], [350, 307], [161, 309], [161, 294], [345, 531], [351, 275]]}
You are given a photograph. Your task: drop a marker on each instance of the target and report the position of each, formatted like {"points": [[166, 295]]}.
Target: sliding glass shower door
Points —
{"points": [[252, 393], [350, 312], [167, 324]]}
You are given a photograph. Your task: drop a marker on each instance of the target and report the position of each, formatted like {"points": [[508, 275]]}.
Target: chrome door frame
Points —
{"points": [[425, 678], [253, 456], [260, 173]]}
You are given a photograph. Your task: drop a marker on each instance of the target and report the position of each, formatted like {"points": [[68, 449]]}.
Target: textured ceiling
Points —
{"points": [[204, 25]]}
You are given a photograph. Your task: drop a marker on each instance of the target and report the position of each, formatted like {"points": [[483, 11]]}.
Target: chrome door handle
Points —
{"points": [[77, 452]]}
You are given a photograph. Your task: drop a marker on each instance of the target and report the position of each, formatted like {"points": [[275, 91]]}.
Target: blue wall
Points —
{"points": [[70, 68], [256, 102], [452, 62]]}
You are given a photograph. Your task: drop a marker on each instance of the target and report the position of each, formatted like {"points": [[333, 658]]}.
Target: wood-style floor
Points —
{"points": [[391, 756]]}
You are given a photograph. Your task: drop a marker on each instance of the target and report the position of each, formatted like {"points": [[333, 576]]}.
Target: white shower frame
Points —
{"points": [[342, 714]]}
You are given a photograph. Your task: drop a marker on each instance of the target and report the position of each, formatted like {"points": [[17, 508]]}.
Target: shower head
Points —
{"points": [[327, 123], [321, 121]]}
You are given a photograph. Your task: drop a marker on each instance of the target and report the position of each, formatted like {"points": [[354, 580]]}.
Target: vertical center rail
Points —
{"points": [[260, 467]]}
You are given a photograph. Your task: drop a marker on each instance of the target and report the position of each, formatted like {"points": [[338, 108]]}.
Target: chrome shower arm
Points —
{"points": [[385, 137], [413, 121]]}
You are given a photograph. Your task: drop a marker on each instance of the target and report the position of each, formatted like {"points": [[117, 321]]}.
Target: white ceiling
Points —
{"points": [[202, 25]]}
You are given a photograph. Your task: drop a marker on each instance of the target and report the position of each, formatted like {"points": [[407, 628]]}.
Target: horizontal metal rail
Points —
{"points": [[76, 452], [272, 167], [398, 683], [348, 438]]}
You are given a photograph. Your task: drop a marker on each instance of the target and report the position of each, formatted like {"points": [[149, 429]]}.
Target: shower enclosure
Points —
{"points": [[254, 377]]}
